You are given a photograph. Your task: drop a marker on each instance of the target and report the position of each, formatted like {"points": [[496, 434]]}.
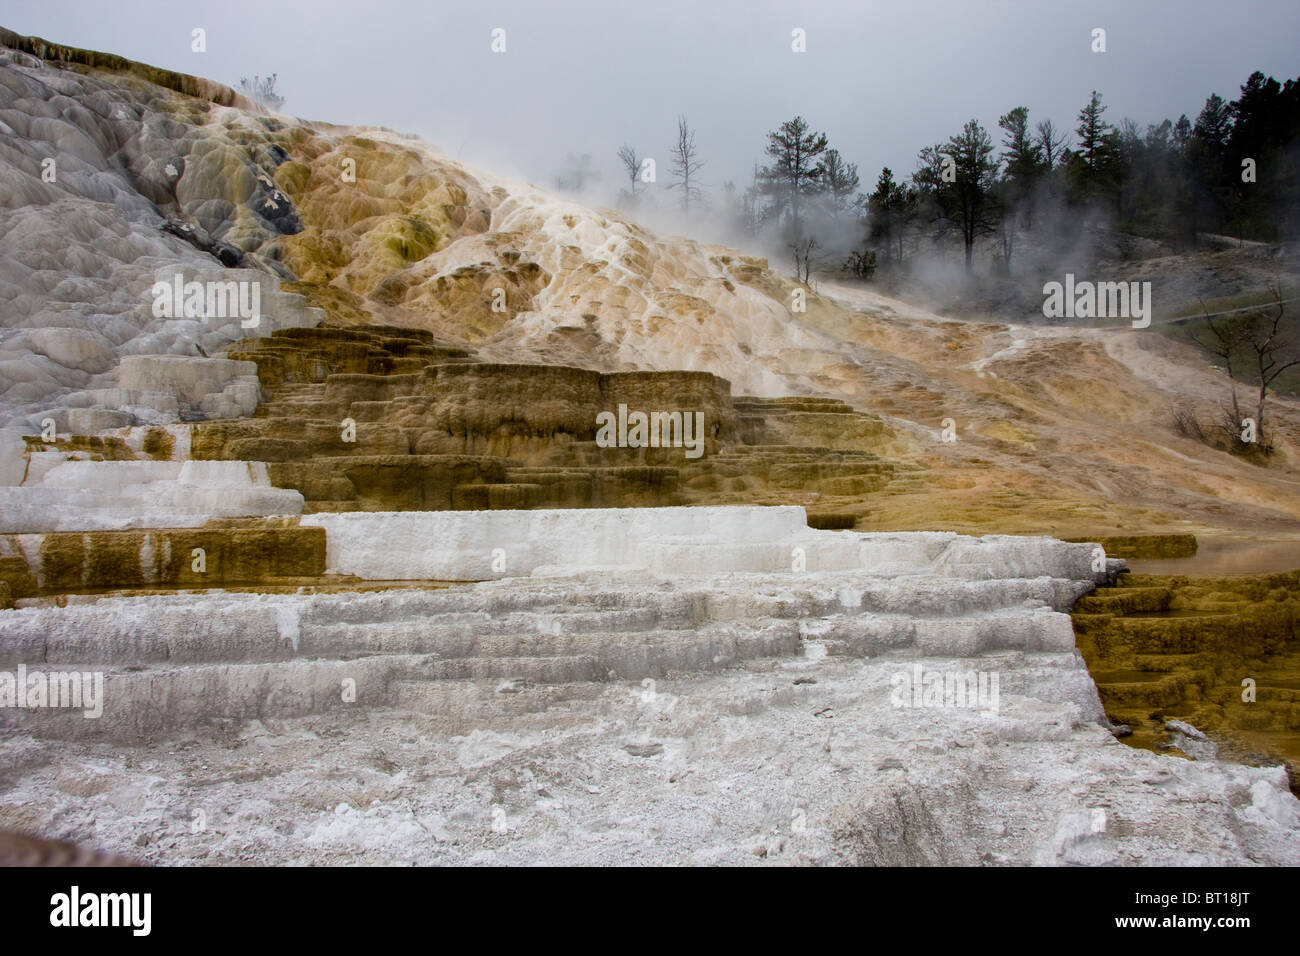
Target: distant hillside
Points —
{"points": [[1058, 429]]}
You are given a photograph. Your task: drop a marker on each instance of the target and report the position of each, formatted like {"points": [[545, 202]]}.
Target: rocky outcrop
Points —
{"points": [[113, 185], [180, 82]]}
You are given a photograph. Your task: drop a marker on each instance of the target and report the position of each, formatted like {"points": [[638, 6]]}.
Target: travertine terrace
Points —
{"points": [[362, 585], [665, 685]]}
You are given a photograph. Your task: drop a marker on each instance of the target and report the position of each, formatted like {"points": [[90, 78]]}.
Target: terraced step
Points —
{"points": [[1126, 600], [410, 394], [287, 391], [505, 496], [782, 406], [1141, 689], [679, 591], [908, 483], [147, 701], [1176, 635], [164, 695], [303, 409], [386, 482], [172, 663], [781, 451], [327, 506], [216, 555]]}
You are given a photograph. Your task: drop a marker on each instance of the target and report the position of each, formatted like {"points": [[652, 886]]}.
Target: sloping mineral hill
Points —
{"points": [[1062, 430]]}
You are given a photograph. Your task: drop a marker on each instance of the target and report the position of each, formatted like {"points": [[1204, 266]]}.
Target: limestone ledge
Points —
{"points": [[63, 495], [577, 597], [674, 542]]}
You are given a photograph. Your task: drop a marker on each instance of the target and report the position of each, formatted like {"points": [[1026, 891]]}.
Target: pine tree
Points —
{"points": [[796, 171], [1023, 160], [966, 201], [1096, 162], [1022, 156], [891, 207], [840, 180]]}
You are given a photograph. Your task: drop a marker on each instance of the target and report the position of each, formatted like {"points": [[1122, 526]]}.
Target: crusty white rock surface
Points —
{"points": [[478, 545], [61, 495], [703, 714], [786, 760]]}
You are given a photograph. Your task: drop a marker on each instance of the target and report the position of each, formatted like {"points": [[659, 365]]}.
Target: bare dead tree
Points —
{"points": [[1187, 424], [685, 164], [1050, 143], [804, 256], [1275, 349], [1254, 342], [1225, 339], [263, 90], [632, 163], [751, 210]]}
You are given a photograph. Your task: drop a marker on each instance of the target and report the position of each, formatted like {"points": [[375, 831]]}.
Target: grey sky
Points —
{"points": [[881, 78]]}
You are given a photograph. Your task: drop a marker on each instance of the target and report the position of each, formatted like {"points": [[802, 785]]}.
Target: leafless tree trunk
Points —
{"points": [[1007, 233], [1227, 335], [1050, 142], [803, 258], [1276, 350], [685, 164], [577, 174], [632, 163]]}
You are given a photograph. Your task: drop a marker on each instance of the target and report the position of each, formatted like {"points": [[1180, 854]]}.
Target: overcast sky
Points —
{"points": [[881, 78]]}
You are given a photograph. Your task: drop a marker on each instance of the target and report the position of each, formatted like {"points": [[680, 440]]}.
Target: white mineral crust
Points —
{"points": [[692, 700]]}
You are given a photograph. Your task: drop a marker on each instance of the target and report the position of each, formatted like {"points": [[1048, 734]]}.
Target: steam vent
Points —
{"points": [[428, 516]]}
